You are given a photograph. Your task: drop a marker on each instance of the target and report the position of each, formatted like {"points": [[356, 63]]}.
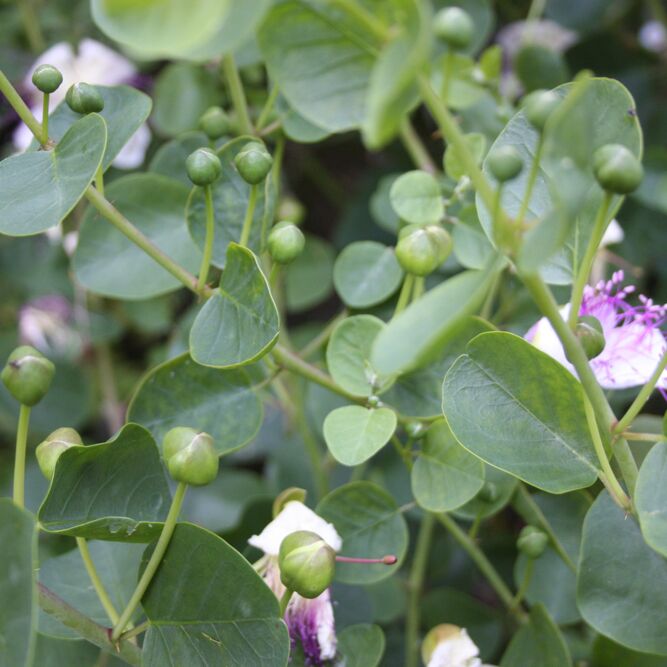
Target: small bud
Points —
{"points": [[590, 334], [27, 375], [488, 493], [415, 429], [532, 541], [374, 401], [538, 107], [454, 26], [286, 242], [190, 456], [421, 250], [291, 210], [253, 162], [539, 67], [47, 78], [49, 451], [505, 163], [286, 496], [84, 98], [215, 123], [203, 166], [307, 563], [616, 169]]}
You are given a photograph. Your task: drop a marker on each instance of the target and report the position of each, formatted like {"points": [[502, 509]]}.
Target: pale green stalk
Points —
{"points": [[19, 455]]}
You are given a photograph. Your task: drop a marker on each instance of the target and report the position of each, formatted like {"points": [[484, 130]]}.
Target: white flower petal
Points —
{"points": [[456, 651], [613, 234], [132, 154], [98, 64]]}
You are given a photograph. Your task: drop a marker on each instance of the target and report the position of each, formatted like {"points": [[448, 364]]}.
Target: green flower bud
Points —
{"points": [[292, 210], [286, 496], [307, 563], [505, 163], [590, 334], [47, 78], [374, 401], [421, 250], [532, 541], [190, 456], [84, 98], [286, 242], [454, 26], [27, 375], [215, 123], [488, 493], [203, 166], [616, 169], [49, 451], [415, 430], [538, 106], [253, 162], [539, 67]]}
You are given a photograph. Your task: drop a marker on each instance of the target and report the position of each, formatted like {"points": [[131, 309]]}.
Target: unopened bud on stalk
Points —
{"points": [[48, 452], [307, 563], [203, 167], [454, 26], [532, 541], [421, 250], [27, 375], [84, 98], [617, 169], [215, 123], [590, 334], [538, 107], [253, 162], [190, 456], [47, 78], [286, 242]]}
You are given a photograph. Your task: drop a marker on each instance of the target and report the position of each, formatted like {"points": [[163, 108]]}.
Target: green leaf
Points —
{"points": [[38, 189], [651, 497], [366, 273], [453, 163], [239, 323], [183, 393], [417, 198], [348, 354], [416, 335], [537, 643], [483, 505], [297, 128], [519, 410], [238, 625], [361, 645], [445, 476], [308, 279], [107, 262], [353, 434], [320, 59], [18, 613], [50, 652], [112, 491], [622, 582], [159, 29], [230, 201], [371, 525]]}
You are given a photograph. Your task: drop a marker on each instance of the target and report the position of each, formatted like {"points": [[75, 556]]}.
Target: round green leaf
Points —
{"points": [[107, 262], [183, 393], [371, 525], [651, 497], [417, 198], [366, 273], [308, 279], [445, 475], [353, 434], [38, 189], [520, 410], [503, 486], [361, 645], [239, 323]]}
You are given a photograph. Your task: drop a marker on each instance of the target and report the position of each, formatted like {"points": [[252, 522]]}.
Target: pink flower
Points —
{"points": [[634, 341]]}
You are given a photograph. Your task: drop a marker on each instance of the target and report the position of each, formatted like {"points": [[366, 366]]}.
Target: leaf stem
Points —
{"points": [[142, 627], [284, 601], [415, 148], [96, 581], [268, 107], [99, 179], [418, 288], [237, 93], [208, 243], [322, 338], [45, 120], [644, 437], [33, 30], [19, 455], [406, 292], [525, 582], [154, 562], [249, 215], [532, 178], [20, 106]]}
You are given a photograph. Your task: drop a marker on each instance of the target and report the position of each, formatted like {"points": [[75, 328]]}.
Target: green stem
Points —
{"points": [[644, 437], [87, 628], [284, 601], [19, 456], [495, 220], [20, 106], [362, 15], [643, 396], [45, 120], [33, 30], [322, 338], [274, 275], [584, 271], [154, 562], [142, 627], [447, 74], [406, 292], [208, 243], [415, 148], [99, 179], [525, 582], [484, 565], [403, 451], [249, 215], [96, 581], [268, 107], [415, 585], [123, 225], [418, 288], [532, 178], [237, 93]]}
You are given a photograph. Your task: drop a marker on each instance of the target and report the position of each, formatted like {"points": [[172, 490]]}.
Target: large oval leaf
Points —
{"points": [[651, 497], [361, 645]]}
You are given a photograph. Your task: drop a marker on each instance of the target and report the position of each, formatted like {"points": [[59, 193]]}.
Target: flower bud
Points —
{"points": [[307, 563], [27, 375], [532, 541], [415, 429], [84, 98], [203, 166], [538, 106], [215, 123], [590, 334], [454, 26], [616, 169], [505, 163], [49, 451], [286, 496], [47, 78], [190, 456], [291, 210], [286, 242], [421, 250], [488, 493], [253, 162]]}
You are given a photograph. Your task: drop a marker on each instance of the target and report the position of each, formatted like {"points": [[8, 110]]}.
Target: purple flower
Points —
{"points": [[634, 341], [311, 624]]}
